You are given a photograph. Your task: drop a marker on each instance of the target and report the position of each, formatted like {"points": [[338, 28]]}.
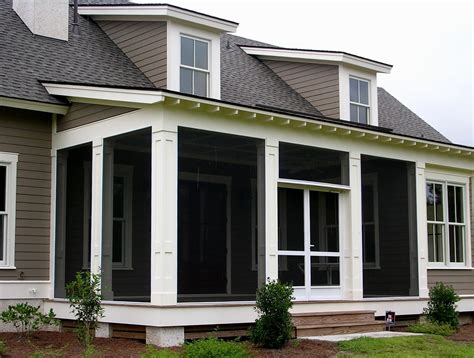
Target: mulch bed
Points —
{"points": [[56, 344], [465, 334]]}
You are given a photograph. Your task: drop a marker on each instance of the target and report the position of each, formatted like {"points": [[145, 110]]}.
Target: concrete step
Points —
{"points": [[320, 318], [339, 328]]}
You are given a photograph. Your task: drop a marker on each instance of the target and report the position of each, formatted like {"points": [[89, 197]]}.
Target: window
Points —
{"points": [[370, 221], [194, 69], [359, 100], [445, 206], [8, 164]]}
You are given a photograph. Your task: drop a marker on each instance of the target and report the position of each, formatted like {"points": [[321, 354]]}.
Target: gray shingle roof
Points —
{"points": [[90, 58], [393, 114]]}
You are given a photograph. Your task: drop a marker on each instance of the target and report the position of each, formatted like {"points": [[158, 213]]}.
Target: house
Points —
{"points": [[188, 165]]}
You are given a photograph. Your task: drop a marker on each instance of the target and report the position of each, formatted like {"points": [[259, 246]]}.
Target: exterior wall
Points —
{"points": [[144, 42], [81, 113], [461, 280], [29, 134], [318, 84]]}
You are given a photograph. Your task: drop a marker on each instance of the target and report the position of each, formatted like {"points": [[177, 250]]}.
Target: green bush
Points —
{"points": [[27, 318], [152, 352], [85, 300], [3, 348], [442, 305], [432, 328], [274, 326], [215, 348]]}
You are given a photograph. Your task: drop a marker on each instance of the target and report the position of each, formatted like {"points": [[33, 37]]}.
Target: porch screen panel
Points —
{"points": [[3, 215], [218, 215]]}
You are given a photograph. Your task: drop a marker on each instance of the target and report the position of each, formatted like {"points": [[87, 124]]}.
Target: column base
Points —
{"points": [[103, 330], [165, 336]]}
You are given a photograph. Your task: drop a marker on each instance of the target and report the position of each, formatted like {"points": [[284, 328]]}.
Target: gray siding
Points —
{"points": [[144, 42], [461, 280], [80, 114], [318, 84], [29, 134]]}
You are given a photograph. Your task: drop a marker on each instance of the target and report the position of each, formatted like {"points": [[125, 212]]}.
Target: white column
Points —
{"points": [[261, 214], [271, 209], [422, 234], [108, 218], [353, 266], [164, 215], [96, 205]]}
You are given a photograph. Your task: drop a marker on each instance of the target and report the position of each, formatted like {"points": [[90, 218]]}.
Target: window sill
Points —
{"points": [[450, 268], [7, 267]]}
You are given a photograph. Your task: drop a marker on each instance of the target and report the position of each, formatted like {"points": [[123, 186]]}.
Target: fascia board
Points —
{"points": [[104, 93], [155, 13], [33, 105], [315, 56]]}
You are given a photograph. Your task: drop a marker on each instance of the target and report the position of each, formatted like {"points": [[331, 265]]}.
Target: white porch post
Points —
{"points": [[352, 249], [96, 205], [164, 214], [271, 208], [422, 234], [107, 221]]}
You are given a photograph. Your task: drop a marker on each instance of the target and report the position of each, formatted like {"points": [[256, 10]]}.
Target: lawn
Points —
{"points": [[419, 346]]}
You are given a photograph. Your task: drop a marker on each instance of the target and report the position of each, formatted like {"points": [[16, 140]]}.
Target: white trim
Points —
{"points": [[33, 105], [310, 185], [9, 161], [316, 56], [18, 290], [157, 13]]}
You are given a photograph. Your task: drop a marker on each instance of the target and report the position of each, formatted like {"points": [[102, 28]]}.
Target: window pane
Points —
{"points": [[354, 90], [363, 115], [456, 250], [325, 271], [118, 197], [291, 270], [430, 201], [186, 80], [435, 243], [2, 233], [200, 83], [438, 201], [367, 203], [459, 205], [354, 113], [313, 164], [364, 92], [290, 219], [187, 51], [324, 210], [368, 242], [451, 204], [201, 55], [117, 245], [3, 182]]}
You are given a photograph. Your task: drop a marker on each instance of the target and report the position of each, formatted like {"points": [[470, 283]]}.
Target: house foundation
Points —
{"points": [[165, 336]]}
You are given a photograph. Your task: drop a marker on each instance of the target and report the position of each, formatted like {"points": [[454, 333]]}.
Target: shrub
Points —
{"points": [[442, 305], [27, 318], [274, 326], [152, 352], [215, 348], [85, 300], [432, 328]]}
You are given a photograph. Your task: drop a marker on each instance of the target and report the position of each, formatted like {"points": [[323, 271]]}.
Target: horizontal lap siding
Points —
{"points": [[29, 134], [80, 114], [144, 42], [461, 280], [318, 84]]}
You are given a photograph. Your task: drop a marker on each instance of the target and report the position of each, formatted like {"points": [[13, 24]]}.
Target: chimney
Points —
{"points": [[45, 17]]}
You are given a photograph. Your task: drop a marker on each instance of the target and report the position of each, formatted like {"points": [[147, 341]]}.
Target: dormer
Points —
{"points": [[338, 84], [176, 48]]}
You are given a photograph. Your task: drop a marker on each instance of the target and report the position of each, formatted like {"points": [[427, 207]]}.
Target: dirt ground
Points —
{"points": [[465, 334]]}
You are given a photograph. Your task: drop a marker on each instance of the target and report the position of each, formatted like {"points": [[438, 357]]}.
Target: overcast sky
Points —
{"points": [[429, 44]]}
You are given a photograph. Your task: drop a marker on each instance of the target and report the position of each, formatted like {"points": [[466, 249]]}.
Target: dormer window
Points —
{"points": [[359, 100], [194, 68]]}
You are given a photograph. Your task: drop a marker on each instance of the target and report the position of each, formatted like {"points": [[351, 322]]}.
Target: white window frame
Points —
{"points": [[193, 68], [372, 180], [369, 97], [466, 264], [10, 161], [125, 171]]}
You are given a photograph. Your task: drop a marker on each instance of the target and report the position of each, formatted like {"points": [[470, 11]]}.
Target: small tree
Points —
{"points": [[442, 305], [27, 318], [85, 300], [274, 326]]}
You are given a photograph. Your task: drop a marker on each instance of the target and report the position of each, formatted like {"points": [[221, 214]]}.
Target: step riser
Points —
{"points": [[332, 319], [338, 330]]}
